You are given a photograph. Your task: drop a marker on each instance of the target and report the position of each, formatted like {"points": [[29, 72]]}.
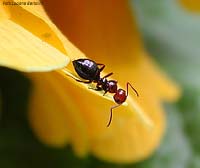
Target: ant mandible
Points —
{"points": [[90, 71]]}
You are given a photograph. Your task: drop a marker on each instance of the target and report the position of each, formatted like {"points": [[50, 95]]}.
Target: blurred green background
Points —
{"points": [[172, 36]]}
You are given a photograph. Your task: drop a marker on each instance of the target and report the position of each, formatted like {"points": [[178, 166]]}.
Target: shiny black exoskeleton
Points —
{"points": [[90, 71], [87, 69]]}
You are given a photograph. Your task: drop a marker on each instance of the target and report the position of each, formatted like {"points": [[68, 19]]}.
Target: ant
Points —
{"points": [[90, 71]]}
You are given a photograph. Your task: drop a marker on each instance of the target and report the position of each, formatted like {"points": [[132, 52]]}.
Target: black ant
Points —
{"points": [[90, 70]]}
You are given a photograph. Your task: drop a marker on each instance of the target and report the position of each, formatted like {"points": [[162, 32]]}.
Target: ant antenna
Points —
{"points": [[128, 84], [113, 107]]}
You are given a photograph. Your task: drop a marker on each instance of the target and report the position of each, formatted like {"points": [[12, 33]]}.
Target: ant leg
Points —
{"points": [[128, 84], [103, 66], [105, 93], [83, 81], [78, 80], [113, 107], [108, 75], [101, 69], [98, 88]]}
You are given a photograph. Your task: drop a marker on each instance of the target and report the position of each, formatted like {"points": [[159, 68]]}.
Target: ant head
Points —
{"points": [[120, 96], [112, 86]]}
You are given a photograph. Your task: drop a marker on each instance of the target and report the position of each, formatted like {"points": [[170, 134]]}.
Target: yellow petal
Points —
{"points": [[157, 80], [36, 9], [21, 50], [47, 122], [126, 138], [191, 5], [63, 122], [42, 27], [35, 23]]}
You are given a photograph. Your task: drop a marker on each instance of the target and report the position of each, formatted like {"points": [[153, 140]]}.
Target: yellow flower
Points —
{"points": [[63, 111]]}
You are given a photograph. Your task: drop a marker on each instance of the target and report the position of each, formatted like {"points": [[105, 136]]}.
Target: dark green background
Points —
{"points": [[172, 36]]}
